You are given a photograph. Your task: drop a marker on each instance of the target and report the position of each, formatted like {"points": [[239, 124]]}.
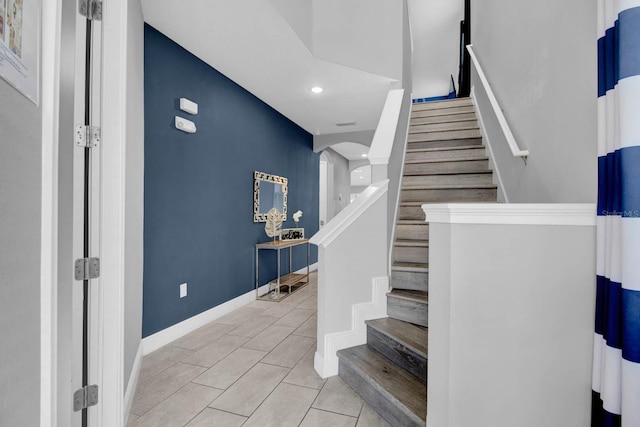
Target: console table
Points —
{"points": [[288, 280]]}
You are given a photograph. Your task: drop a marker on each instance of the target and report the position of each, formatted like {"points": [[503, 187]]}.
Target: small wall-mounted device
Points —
{"points": [[185, 125], [188, 106]]}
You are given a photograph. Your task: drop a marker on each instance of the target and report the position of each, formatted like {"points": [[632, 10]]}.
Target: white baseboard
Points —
{"points": [[133, 383], [326, 365], [303, 270], [172, 333]]}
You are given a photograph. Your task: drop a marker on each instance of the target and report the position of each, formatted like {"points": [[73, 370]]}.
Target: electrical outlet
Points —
{"points": [[183, 290]]}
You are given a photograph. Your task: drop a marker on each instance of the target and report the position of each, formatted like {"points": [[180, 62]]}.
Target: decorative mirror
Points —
{"points": [[269, 191]]}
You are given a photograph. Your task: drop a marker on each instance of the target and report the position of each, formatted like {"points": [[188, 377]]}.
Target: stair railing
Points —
{"points": [[354, 247], [506, 130]]}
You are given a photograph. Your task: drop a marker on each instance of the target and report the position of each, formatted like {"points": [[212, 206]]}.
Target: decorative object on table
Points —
{"points": [[274, 223], [296, 217], [269, 191], [291, 234]]}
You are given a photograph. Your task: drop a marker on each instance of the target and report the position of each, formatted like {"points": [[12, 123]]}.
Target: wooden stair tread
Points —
{"points": [[460, 109], [397, 385], [447, 186], [421, 129], [452, 172], [409, 335], [447, 118], [470, 158], [418, 243], [416, 138], [412, 222], [460, 147], [410, 266], [417, 296]]}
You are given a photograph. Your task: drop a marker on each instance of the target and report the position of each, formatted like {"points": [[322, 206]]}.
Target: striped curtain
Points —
{"points": [[616, 369]]}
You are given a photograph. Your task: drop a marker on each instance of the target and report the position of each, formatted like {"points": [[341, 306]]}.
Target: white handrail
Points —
{"points": [[513, 145], [383, 139], [350, 214]]}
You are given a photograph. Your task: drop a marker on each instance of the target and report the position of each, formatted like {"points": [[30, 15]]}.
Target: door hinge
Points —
{"points": [[91, 9], [87, 268], [87, 136], [85, 397]]}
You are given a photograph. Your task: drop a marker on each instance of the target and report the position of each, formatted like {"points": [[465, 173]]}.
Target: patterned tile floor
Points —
{"points": [[252, 367]]}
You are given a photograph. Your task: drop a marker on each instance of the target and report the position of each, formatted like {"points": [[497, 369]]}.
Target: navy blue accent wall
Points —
{"points": [[198, 202]]}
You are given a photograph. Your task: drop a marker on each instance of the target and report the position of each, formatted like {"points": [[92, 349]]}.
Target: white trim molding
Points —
{"points": [[132, 384], [577, 214], [174, 332], [326, 365], [50, 16]]}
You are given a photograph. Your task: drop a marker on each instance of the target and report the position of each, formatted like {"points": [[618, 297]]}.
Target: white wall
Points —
{"points": [[435, 25], [339, 183], [20, 216], [134, 191], [541, 60], [511, 314]]}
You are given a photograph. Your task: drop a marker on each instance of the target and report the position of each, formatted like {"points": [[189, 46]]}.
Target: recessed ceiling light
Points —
{"points": [[364, 155], [316, 89]]}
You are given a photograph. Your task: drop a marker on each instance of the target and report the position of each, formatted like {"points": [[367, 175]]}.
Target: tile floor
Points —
{"points": [[252, 367]]}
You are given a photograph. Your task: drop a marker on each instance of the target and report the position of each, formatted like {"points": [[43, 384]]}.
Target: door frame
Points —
{"points": [[110, 355]]}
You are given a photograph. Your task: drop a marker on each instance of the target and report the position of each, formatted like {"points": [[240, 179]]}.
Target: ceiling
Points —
{"points": [[279, 49]]}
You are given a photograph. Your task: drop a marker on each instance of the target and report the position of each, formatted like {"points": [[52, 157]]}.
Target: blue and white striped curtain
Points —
{"points": [[616, 369]]}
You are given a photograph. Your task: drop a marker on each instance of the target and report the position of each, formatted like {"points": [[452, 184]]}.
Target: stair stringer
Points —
{"points": [[502, 194], [326, 365]]}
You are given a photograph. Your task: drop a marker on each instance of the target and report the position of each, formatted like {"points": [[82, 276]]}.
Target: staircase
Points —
{"points": [[445, 162]]}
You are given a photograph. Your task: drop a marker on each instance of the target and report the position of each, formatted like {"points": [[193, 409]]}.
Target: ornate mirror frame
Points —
{"points": [[259, 177]]}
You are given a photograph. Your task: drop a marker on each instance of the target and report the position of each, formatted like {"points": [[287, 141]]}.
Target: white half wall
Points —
{"points": [[511, 315], [351, 253]]}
